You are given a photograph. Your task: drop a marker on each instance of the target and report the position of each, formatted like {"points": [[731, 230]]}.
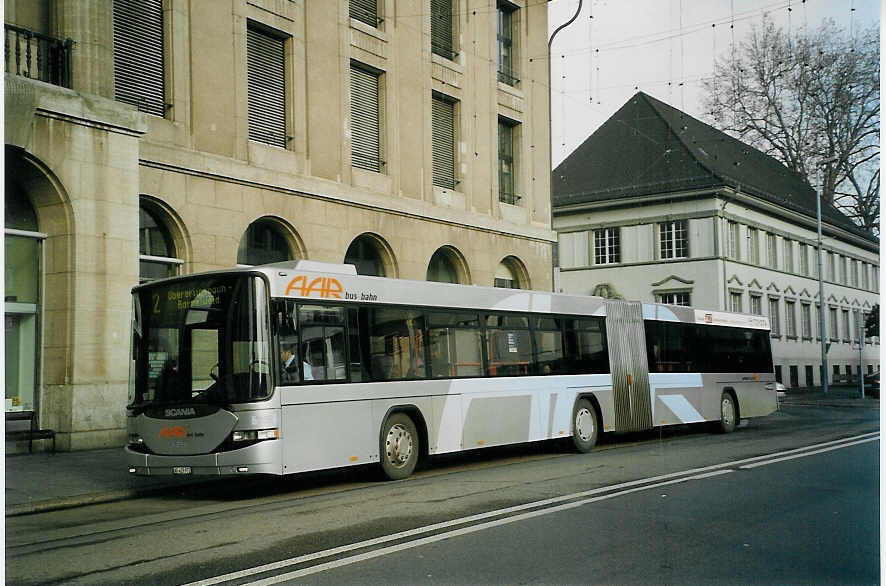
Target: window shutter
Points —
{"points": [[138, 55], [441, 28], [365, 120], [443, 142], [365, 11], [266, 65]]}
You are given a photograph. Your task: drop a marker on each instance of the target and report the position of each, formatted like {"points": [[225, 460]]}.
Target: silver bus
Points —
{"points": [[300, 366]]}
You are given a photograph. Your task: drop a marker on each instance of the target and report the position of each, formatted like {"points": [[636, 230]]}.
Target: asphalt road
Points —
{"points": [[677, 506]]}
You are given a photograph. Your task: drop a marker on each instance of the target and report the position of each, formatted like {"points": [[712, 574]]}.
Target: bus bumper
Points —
{"points": [[261, 458]]}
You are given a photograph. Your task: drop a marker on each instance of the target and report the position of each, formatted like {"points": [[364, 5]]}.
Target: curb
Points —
{"points": [[72, 502]]}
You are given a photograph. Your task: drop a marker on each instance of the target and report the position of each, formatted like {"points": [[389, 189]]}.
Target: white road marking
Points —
{"points": [[613, 490], [812, 453], [464, 531]]}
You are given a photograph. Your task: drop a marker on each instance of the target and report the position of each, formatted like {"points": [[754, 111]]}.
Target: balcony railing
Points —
{"points": [[37, 56]]}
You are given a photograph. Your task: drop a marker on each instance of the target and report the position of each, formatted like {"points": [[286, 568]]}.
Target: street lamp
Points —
{"points": [[821, 300]]}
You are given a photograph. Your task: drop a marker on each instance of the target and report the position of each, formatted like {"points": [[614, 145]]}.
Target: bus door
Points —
{"points": [[628, 365]]}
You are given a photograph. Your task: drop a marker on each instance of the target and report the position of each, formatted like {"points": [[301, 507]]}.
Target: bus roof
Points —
{"points": [[305, 279]]}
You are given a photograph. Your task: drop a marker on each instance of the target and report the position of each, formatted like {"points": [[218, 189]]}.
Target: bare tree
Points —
{"points": [[812, 101]]}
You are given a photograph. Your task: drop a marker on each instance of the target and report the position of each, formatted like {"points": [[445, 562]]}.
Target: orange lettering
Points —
{"points": [[323, 287], [176, 431]]}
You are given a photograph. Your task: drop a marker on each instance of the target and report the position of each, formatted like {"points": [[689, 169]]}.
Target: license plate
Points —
{"points": [[181, 469]]}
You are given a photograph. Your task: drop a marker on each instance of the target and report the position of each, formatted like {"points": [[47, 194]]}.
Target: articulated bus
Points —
{"points": [[300, 366]]}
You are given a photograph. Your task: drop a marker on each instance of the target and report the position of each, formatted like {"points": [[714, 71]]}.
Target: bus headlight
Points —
{"points": [[136, 440], [254, 435]]}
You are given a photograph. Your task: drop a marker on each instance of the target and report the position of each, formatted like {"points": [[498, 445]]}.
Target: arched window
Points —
{"points": [[263, 243], [511, 274], [365, 254], [157, 256], [441, 268], [22, 270], [448, 266]]}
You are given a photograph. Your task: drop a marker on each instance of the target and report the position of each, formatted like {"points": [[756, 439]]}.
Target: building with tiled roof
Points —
{"points": [[659, 206]]}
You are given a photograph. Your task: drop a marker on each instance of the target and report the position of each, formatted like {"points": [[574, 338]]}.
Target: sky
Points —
{"points": [[664, 48]]}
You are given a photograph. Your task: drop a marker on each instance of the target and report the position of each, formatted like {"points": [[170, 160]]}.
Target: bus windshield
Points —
{"points": [[200, 341]]}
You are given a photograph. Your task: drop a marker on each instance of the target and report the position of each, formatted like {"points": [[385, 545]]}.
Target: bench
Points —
{"points": [[22, 425], [845, 379]]}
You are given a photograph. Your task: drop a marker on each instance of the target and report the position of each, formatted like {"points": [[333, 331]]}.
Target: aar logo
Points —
{"points": [[170, 432], [323, 287]]}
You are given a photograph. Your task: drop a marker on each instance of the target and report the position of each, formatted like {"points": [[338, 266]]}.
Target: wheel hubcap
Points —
{"points": [[398, 445], [727, 411], [584, 424]]}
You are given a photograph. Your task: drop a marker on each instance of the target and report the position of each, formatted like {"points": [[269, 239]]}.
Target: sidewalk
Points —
{"points": [[43, 481], [839, 396]]}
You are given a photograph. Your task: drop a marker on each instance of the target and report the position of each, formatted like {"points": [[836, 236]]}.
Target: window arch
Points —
{"points": [[264, 242], [158, 257], [447, 265], [511, 274], [372, 256]]}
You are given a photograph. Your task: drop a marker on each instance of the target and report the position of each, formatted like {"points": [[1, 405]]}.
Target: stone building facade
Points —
{"points": [[147, 138], [658, 206]]}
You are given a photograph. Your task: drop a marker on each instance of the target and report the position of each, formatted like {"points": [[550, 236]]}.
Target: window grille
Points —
{"points": [[441, 28], [757, 304], [772, 250], [774, 318], [732, 249], [804, 260], [443, 141], [788, 246], [366, 11], [753, 246], [790, 319], [266, 76], [735, 301], [806, 321], [139, 75], [366, 152]]}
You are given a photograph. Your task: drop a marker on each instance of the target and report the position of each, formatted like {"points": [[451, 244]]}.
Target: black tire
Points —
{"points": [[728, 413], [399, 446], [585, 428]]}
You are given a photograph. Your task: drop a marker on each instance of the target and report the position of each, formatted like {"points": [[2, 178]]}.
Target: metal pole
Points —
{"points": [[860, 354], [821, 300]]}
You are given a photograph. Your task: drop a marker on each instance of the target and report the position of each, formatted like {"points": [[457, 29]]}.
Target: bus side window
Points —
{"points": [[396, 343], [286, 330], [455, 342], [548, 346], [323, 345], [509, 345], [586, 349]]}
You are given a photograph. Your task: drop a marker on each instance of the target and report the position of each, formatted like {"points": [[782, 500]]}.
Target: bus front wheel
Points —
{"points": [[728, 413], [584, 426], [399, 446]]}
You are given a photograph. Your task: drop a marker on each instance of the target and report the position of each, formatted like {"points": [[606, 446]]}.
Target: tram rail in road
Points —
{"points": [[316, 562]]}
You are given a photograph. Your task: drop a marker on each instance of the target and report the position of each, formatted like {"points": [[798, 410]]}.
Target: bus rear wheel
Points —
{"points": [[399, 446], [584, 426], [728, 413]]}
